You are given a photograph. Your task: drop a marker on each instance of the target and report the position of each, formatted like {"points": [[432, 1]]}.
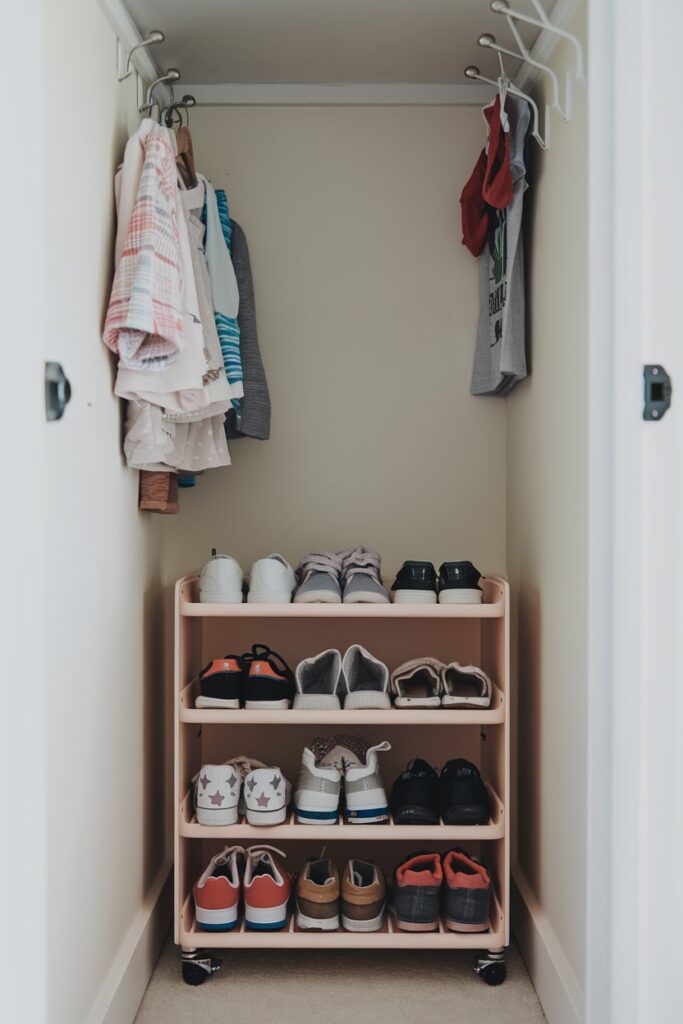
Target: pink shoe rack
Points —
{"points": [[470, 634]]}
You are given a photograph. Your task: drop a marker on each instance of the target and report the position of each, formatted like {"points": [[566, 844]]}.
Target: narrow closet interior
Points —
{"points": [[356, 325]]}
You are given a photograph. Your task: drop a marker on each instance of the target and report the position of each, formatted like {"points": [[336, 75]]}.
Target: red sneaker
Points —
{"points": [[267, 890], [217, 892]]}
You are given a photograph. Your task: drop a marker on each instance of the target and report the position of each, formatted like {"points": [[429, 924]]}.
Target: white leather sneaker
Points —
{"points": [[271, 581], [221, 580]]}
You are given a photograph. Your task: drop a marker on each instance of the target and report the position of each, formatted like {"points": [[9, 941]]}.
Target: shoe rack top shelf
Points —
{"points": [[492, 607], [395, 716]]}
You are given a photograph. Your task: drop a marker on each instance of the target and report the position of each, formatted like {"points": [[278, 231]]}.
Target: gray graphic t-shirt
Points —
{"points": [[500, 352]]}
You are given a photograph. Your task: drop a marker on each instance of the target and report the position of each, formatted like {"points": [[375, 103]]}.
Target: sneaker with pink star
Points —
{"points": [[267, 794]]}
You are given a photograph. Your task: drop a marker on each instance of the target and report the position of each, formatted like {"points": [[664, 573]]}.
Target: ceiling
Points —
{"points": [[326, 41]]}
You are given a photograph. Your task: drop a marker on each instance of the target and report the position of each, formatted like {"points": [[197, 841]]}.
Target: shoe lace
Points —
{"points": [[358, 561], [263, 652], [256, 852], [319, 561]]}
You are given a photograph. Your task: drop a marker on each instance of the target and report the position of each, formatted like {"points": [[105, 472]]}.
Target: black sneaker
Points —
{"points": [[221, 683], [415, 584], [415, 795], [269, 684], [463, 797], [458, 583]]}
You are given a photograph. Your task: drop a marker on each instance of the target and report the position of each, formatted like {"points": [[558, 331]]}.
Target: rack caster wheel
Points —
{"points": [[197, 966], [492, 968]]}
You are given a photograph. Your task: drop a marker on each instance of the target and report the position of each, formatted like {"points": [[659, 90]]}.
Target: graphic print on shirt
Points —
{"points": [[497, 243]]}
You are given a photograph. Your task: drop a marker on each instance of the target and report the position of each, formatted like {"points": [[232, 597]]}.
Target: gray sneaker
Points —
{"points": [[362, 577], [318, 680], [366, 679], [318, 575]]}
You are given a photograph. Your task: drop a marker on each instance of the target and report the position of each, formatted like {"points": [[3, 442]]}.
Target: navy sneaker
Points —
{"points": [[463, 797], [459, 583], [415, 795], [415, 584], [269, 685], [221, 683]]}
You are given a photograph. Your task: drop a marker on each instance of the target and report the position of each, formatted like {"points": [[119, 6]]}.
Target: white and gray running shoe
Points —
{"points": [[318, 682], [366, 679], [319, 578], [362, 577]]}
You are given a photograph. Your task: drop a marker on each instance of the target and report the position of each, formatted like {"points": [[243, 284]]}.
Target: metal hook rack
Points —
{"points": [[503, 83]]}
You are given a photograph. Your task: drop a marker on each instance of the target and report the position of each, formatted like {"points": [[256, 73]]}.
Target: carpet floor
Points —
{"points": [[340, 987]]}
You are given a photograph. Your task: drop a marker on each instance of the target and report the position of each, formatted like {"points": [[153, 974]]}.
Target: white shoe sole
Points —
{"points": [[328, 924], [267, 705], [265, 917], [318, 597], [217, 815], [226, 917], [460, 597], [255, 816], [372, 925], [316, 702], [269, 597], [415, 597], [378, 699], [367, 597], [417, 702], [465, 702], [216, 702]]}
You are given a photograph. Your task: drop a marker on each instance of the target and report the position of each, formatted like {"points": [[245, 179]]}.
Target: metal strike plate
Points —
{"points": [[657, 392]]}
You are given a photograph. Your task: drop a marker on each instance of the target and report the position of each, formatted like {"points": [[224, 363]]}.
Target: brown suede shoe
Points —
{"points": [[363, 894], [317, 896]]}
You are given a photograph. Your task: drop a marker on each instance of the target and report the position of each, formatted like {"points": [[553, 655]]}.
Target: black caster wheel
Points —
{"points": [[491, 967], [193, 974], [494, 974], [197, 966]]}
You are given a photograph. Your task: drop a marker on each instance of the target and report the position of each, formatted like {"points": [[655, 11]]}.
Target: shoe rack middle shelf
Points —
{"points": [[495, 715], [291, 829]]}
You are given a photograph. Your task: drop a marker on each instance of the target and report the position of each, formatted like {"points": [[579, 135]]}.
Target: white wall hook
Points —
{"points": [[543, 22]]}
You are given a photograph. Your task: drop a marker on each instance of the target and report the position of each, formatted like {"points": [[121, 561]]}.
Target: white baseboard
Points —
{"points": [[120, 996], [554, 980]]}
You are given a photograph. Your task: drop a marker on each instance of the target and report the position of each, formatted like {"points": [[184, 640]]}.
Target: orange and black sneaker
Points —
{"points": [[269, 684], [221, 683]]}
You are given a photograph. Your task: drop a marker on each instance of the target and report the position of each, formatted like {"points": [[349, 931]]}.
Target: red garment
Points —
{"points": [[489, 185]]}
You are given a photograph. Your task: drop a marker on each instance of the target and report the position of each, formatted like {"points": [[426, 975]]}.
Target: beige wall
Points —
{"points": [[103, 609], [547, 453], [367, 306]]}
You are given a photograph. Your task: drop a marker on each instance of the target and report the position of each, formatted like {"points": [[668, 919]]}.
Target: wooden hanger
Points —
{"points": [[185, 157]]}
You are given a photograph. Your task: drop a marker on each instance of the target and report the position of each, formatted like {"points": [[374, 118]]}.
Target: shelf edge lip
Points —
{"points": [[200, 716]]}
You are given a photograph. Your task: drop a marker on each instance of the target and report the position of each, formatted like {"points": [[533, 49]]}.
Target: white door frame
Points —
{"points": [[635, 719], [23, 858]]}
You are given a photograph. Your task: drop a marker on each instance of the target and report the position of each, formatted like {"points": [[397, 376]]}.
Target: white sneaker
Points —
{"points": [[271, 581], [316, 799], [221, 580], [318, 681], [366, 799], [217, 794], [266, 793], [366, 679]]}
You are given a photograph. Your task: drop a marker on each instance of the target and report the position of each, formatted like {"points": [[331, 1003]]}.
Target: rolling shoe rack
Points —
{"points": [[470, 634]]}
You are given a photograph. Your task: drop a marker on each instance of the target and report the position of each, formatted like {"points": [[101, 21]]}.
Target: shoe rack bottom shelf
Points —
{"points": [[389, 937]]}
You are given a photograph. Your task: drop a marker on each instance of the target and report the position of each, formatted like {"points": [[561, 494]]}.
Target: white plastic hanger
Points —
{"points": [[544, 22], [489, 42], [473, 72]]}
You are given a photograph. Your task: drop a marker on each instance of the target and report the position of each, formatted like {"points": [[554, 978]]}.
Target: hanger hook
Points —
{"points": [[170, 75], [152, 38]]}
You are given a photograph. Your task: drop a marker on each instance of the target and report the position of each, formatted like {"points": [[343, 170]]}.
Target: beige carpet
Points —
{"points": [[340, 987]]}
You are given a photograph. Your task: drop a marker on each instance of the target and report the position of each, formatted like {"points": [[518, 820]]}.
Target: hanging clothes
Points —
{"points": [[500, 351], [143, 324], [253, 416], [224, 290], [228, 326], [490, 184]]}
